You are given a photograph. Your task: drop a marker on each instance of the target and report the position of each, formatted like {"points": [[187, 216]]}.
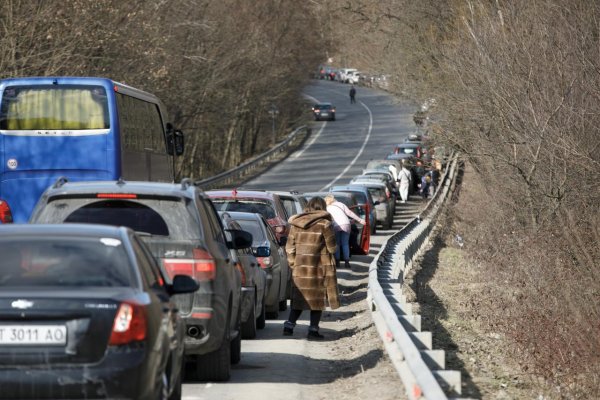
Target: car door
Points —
{"points": [[280, 264]]}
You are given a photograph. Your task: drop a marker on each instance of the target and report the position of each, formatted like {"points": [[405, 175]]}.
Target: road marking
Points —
{"points": [[359, 152], [313, 139]]}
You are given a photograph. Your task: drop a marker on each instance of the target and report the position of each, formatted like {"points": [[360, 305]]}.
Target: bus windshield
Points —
{"points": [[49, 107]]}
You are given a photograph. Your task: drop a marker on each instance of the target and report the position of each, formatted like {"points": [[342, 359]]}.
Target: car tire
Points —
{"points": [[216, 366], [236, 349], [283, 305], [261, 320], [249, 327], [273, 313], [177, 387]]}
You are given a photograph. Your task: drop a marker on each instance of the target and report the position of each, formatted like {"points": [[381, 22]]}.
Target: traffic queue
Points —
{"points": [[114, 284]]}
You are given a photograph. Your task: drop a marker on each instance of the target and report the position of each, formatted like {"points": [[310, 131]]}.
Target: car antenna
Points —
{"points": [[121, 181]]}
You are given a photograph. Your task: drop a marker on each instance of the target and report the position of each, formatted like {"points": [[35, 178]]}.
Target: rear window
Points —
{"points": [[54, 108], [61, 261], [154, 216], [253, 227], [255, 206], [377, 193]]}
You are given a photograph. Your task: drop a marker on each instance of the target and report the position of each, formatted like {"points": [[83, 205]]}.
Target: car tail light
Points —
{"points": [[129, 324], [201, 266], [387, 193], [5, 213], [264, 262], [240, 268]]}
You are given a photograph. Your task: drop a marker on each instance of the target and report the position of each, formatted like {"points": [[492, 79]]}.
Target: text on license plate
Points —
{"points": [[33, 335], [324, 113]]}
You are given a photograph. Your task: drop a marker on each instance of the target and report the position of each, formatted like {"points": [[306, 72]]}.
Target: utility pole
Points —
{"points": [[273, 111]]}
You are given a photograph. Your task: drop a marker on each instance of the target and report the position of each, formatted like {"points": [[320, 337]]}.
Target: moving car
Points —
{"points": [[85, 311], [324, 111], [271, 258], [184, 232], [254, 283]]}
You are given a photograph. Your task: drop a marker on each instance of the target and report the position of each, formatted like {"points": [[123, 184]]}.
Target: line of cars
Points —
{"points": [[116, 284]]}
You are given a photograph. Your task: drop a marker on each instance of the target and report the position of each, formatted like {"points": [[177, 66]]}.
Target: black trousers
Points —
{"points": [[315, 317]]}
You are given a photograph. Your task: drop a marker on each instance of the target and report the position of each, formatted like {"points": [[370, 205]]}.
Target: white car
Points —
{"points": [[353, 77], [343, 74]]}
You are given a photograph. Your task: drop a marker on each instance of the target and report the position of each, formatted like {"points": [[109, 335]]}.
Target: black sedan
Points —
{"points": [[323, 111], [85, 313]]}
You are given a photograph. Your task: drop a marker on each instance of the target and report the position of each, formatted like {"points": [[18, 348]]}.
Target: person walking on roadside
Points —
{"points": [[425, 184], [341, 215], [310, 247], [352, 95], [404, 179]]}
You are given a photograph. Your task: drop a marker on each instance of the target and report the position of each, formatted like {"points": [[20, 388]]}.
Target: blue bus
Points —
{"points": [[81, 128]]}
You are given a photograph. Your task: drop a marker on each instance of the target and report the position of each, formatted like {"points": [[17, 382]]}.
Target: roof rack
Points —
{"points": [[60, 182]]}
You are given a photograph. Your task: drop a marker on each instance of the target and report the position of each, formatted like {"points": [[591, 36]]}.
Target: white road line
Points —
{"points": [[362, 148], [314, 138]]}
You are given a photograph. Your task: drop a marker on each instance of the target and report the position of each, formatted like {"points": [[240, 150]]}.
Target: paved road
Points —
{"points": [[272, 366]]}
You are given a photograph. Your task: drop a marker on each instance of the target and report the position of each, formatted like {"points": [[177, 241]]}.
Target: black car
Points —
{"points": [[183, 230], [324, 111], [85, 312]]}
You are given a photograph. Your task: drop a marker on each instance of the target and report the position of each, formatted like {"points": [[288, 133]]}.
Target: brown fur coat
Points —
{"points": [[310, 248]]}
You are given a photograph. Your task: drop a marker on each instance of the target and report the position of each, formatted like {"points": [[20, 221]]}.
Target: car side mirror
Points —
{"points": [[182, 284], [262, 251], [179, 142], [175, 142], [239, 239]]}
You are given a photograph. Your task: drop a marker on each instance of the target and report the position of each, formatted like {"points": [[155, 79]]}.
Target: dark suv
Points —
{"points": [[182, 229]]}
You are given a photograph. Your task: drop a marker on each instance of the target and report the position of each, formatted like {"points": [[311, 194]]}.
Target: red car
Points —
{"points": [[267, 204]]}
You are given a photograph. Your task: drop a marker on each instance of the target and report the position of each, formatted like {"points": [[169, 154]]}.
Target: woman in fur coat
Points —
{"points": [[310, 248]]}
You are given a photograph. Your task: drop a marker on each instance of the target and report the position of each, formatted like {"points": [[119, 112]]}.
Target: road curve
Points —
{"points": [[277, 367]]}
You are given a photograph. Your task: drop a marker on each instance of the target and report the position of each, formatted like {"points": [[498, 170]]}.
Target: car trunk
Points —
{"points": [[45, 327]]}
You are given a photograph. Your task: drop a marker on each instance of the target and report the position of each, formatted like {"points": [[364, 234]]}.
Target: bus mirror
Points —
{"points": [[179, 143]]}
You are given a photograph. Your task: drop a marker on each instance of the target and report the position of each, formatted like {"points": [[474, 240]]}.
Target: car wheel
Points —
{"points": [[162, 387], [176, 393], [273, 313], [283, 305], [216, 366], [236, 348], [261, 320], [249, 327]]}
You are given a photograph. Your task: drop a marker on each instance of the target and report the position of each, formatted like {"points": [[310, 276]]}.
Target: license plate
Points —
{"points": [[54, 335], [324, 114]]}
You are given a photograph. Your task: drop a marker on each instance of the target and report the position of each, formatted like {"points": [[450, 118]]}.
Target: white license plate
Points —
{"points": [[324, 114], [55, 335]]}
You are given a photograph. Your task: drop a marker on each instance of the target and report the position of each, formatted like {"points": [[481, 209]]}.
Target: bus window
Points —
{"points": [[54, 108]]}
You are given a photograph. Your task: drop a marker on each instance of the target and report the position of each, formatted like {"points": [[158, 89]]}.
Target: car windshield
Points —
{"points": [[255, 206], [258, 235], [59, 262], [378, 194], [323, 106]]}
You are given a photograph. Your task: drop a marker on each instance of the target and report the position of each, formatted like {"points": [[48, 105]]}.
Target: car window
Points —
{"points": [[136, 216], [251, 226], [148, 267], [289, 205], [61, 261], [214, 221], [255, 206]]}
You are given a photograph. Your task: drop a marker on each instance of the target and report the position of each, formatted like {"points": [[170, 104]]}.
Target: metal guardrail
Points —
{"points": [[421, 368], [234, 175]]}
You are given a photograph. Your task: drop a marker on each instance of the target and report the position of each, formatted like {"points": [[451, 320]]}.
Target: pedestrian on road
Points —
{"points": [[310, 248], [425, 184], [352, 95], [404, 180], [341, 215]]}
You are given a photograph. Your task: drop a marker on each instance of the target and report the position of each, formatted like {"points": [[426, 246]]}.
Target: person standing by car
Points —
{"points": [[404, 179], [310, 247], [352, 95], [341, 215]]}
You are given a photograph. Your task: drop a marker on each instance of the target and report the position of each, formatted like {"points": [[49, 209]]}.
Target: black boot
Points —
{"points": [[347, 264], [337, 264], [288, 328], [313, 334]]}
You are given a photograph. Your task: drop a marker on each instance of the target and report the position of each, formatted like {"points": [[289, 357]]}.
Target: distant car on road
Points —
{"points": [[85, 311], [324, 111], [183, 231]]}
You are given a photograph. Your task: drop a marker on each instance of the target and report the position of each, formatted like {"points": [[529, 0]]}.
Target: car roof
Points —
{"points": [[399, 156], [91, 230], [409, 145], [256, 194], [137, 187], [370, 183]]}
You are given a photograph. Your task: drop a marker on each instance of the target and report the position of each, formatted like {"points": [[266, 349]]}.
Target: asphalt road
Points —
{"points": [[272, 366]]}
